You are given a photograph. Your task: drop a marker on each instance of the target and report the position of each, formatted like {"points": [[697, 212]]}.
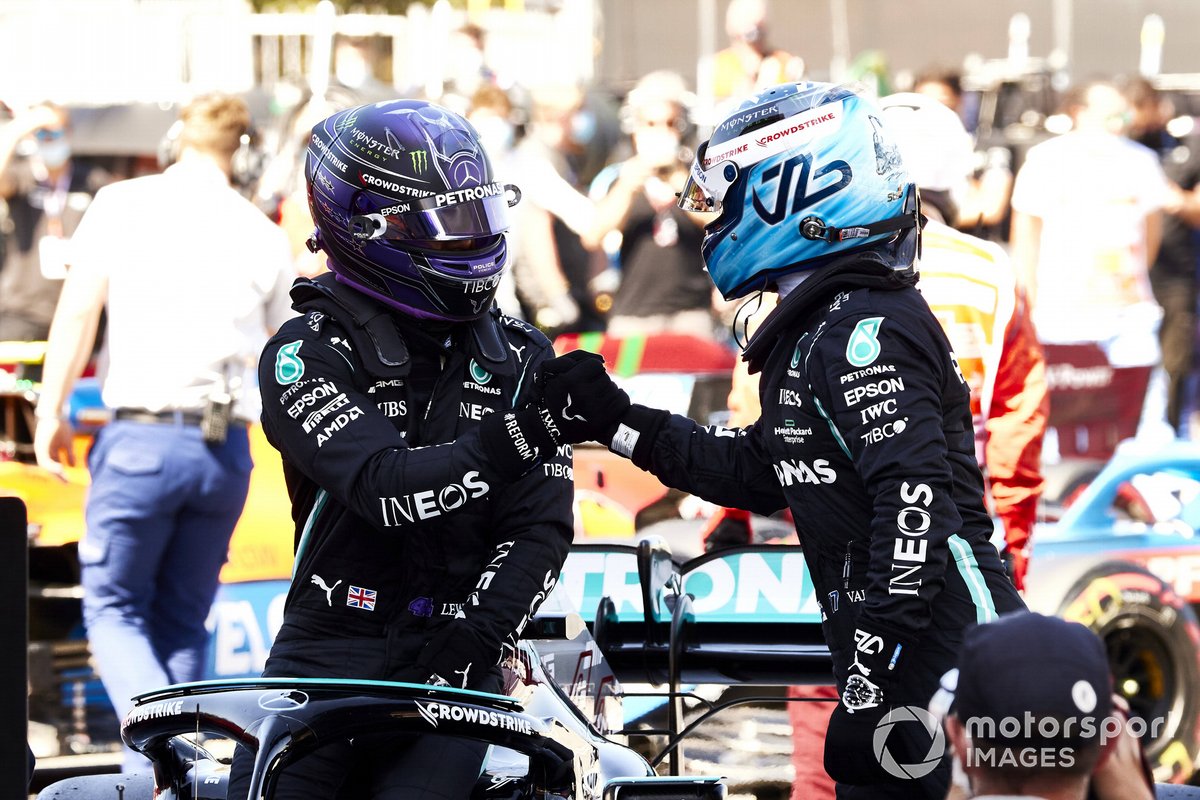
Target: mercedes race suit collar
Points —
{"points": [[858, 271]]}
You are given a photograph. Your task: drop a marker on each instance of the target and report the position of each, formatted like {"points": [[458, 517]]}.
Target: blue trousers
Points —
{"points": [[160, 512]]}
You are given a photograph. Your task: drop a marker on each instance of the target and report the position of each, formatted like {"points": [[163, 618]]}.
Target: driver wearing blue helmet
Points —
{"points": [[865, 430], [430, 478]]}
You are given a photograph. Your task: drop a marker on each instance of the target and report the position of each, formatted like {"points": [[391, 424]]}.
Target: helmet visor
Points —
{"points": [[464, 214], [718, 163], [707, 183]]}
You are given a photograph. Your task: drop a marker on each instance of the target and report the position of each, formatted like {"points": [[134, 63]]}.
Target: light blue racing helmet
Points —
{"points": [[797, 176]]}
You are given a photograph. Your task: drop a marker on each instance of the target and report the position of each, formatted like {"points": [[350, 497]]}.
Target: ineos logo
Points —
{"points": [[285, 700]]}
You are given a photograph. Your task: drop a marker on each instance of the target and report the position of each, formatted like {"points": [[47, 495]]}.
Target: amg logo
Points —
{"points": [[309, 398], [396, 511], [338, 422], [313, 419], [392, 384], [796, 471]]}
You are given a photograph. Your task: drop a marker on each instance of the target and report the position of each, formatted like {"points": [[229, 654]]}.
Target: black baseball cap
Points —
{"points": [[1048, 675]]}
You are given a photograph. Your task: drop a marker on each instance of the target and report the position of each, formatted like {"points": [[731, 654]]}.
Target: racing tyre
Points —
{"points": [[1152, 638]]}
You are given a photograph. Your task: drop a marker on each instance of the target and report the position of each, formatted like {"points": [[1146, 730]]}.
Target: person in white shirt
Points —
{"points": [[194, 278], [1086, 226]]}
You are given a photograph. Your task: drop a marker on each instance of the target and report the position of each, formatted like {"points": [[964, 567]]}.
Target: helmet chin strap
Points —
{"points": [[814, 228]]}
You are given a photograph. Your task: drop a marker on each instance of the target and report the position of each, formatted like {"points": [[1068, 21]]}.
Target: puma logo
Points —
{"points": [[568, 416], [320, 582], [517, 350], [463, 672]]}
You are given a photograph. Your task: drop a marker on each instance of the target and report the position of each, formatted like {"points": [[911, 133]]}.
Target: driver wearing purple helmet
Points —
{"points": [[430, 478]]}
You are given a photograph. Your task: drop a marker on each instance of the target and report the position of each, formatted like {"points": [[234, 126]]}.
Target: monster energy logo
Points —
{"points": [[420, 161]]}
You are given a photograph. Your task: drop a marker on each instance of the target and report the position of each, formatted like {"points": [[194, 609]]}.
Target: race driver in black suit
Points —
{"points": [[430, 492], [865, 431]]}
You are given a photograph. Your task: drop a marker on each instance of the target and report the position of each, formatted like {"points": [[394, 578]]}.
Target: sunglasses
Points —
{"points": [[672, 122], [49, 134]]}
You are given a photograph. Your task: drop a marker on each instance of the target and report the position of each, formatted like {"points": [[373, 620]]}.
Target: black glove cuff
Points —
{"points": [[634, 434], [517, 441]]}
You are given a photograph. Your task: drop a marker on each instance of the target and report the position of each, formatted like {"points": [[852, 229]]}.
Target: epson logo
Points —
{"points": [[883, 387], [403, 208], [318, 392], [420, 506]]}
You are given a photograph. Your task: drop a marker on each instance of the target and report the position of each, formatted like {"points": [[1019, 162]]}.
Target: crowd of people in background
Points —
{"points": [[1089, 237], [599, 245]]}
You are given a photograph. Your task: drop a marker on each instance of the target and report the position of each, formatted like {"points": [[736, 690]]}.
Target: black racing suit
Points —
{"points": [[866, 436], [402, 525]]}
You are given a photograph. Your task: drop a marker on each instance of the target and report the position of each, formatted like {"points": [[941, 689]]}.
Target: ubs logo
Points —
{"points": [[283, 700]]}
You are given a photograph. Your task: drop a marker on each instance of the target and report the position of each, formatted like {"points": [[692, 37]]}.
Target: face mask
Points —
{"points": [[657, 146], [495, 135], [54, 153], [583, 126]]}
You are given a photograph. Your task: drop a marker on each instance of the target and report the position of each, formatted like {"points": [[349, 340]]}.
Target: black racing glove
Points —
{"points": [[577, 402], [579, 395], [517, 441], [850, 756], [457, 656]]}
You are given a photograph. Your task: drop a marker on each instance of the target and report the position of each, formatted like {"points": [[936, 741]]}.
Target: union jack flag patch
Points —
{"points": [[358, 597]]}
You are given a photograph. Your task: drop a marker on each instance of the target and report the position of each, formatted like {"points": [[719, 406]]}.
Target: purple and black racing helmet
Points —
{"points": [[407, 208]]}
